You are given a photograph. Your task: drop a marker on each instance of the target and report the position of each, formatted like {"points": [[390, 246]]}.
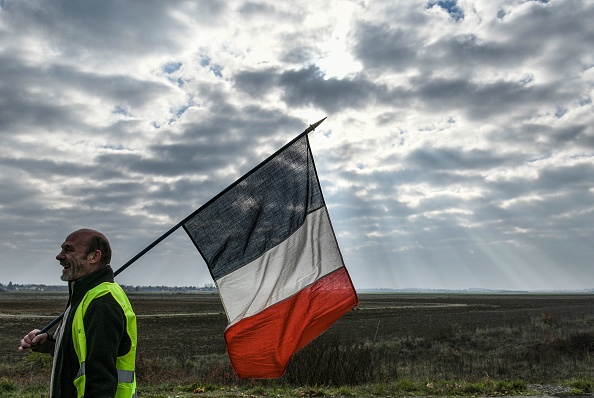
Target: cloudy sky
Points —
{"points": [[458, 150]]}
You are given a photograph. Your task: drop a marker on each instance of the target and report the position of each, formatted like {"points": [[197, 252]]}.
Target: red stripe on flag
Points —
{"points": [[262, 345]]}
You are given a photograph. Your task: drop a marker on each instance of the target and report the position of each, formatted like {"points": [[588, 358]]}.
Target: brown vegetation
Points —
{"points": [[420, 338]]}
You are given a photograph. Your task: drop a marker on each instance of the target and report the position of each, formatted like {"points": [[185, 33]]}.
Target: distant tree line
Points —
{"points": [[209, 287]]}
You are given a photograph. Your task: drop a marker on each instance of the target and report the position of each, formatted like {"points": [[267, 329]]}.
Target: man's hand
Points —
{"points": [[32, 339]]}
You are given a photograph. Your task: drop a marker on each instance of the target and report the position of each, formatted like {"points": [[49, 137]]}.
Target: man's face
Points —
{"points": [[72, 257]]}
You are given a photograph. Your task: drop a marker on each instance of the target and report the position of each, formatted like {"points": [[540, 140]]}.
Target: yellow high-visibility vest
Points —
{"points": [[124, 364]]}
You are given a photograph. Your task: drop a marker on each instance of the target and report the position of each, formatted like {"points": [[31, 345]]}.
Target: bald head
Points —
{"points": [[83, 252], [95, 240]]}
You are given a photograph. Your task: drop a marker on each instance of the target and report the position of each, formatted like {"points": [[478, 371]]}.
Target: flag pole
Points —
{"points": [[308, 130]]}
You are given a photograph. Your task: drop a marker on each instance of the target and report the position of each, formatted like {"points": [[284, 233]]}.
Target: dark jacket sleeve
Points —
{"points": [[105, 328]]}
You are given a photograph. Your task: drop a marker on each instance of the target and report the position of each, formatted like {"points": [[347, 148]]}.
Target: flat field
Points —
{"points": [[390, 335], [167, 322]]}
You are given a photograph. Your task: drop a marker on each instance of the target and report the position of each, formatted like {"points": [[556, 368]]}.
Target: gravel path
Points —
{"points": [[551, 390]]}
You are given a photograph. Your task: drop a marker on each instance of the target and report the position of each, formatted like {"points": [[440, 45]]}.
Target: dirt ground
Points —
{"points": [[186, 325], [166, 322]]}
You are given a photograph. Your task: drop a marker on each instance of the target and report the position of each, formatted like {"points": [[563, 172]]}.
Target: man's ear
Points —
{"points": [[95, 257]]}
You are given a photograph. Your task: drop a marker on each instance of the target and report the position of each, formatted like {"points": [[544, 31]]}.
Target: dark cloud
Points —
{"points": [[564, 177], [481, 101], [307, 87], [454, 159], [467, 51], [46, 168], [257, 83], [310, 88], [24, 102], [385, 47], [251, 8], [121, 90], [457, 150], [110, 27]]}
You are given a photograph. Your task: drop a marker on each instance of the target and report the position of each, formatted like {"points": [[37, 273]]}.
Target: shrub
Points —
{"points": [[36, 361], [7, 385], [577, 343], [505, 386], [583, 385], [328, 361], [405, 385], [474, 388]]}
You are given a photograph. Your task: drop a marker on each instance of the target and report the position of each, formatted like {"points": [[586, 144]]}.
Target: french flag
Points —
{"points": [[272, 252]]}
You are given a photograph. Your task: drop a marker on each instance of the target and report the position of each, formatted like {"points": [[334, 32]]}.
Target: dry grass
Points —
{"points": [[393, 344]]}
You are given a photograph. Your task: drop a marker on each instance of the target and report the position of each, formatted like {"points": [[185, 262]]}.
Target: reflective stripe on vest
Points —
{"points": [[124, 376], [124, 364]]}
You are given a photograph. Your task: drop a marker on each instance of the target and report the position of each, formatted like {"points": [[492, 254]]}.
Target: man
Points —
{"points": [[94, 348]]}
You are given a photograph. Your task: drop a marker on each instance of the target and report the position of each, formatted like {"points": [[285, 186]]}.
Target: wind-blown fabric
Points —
{"points": [[271, 250]]}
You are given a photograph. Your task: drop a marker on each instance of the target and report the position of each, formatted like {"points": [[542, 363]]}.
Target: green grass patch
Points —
{"points": [[6, 385], [582, 385]]}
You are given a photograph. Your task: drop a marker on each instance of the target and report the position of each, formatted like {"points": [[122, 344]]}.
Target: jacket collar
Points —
{"points": [[78, 288]]}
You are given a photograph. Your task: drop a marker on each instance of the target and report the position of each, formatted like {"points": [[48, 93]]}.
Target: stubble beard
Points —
{"points": [[69, 274]]}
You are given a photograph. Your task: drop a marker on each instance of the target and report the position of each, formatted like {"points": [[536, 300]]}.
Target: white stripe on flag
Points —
{"points": [[269, 280]]}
